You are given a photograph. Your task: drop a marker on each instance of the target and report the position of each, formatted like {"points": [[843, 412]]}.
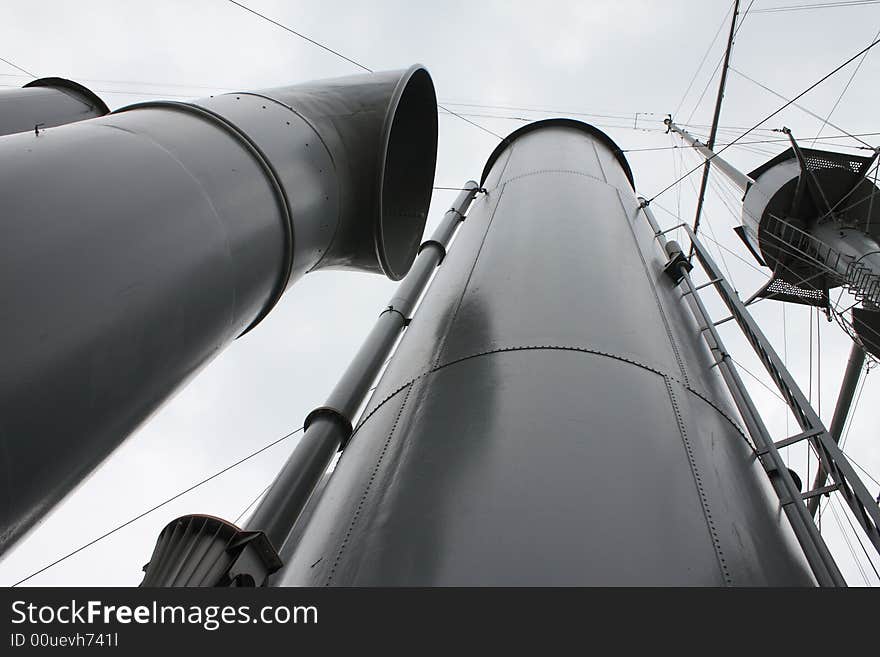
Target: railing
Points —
{"points": [[859, 280]]}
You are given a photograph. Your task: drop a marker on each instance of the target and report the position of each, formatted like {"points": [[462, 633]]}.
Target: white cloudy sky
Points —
{"points": [[608, 57]]}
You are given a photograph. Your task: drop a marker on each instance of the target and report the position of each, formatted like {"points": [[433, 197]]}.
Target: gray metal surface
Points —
{"points": [[329, 427], [46, 103], [781, 478], [846, 480], [550, 415], [137, 245]]}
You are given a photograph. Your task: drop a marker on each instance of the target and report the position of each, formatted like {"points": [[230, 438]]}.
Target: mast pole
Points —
{"points": [[735, 176], [710, 144]]}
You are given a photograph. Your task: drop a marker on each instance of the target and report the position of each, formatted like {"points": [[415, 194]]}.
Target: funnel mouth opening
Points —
{"points": [[407, 173], [84, 94]]}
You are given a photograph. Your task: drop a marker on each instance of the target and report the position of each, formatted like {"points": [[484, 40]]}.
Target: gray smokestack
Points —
{"points": [[137, 245], [551, 416]]}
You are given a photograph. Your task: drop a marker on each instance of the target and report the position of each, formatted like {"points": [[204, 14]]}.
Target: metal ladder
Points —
{"points": [[832, 459], [799, 507]]}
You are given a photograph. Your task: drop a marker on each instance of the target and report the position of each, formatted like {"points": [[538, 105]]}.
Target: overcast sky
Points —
{"points": [[614, 58]]}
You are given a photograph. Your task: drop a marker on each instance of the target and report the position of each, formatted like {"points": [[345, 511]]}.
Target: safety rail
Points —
{"points": [[858, 279]]}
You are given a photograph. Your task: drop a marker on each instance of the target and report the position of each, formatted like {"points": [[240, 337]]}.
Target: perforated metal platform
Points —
{"points": [[779, 290]]}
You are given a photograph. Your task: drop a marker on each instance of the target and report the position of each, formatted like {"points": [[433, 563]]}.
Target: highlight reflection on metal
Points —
{"points": [[137, 245], [784, 481], [329, 427], [551, 415], [47, 103]]}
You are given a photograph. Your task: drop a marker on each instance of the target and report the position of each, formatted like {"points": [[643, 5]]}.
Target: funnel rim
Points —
{"points": [[570, 123], [393, 266], [63, 84]]}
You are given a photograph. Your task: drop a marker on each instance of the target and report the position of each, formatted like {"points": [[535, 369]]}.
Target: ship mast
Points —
{"points": [[810, 216]]}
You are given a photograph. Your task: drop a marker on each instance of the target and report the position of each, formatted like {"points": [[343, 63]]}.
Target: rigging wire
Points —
{"points": [[730, 128], [348, 59], [858, 538], [712, 232], [724, 197], [850, 193], [818, 5], [145, 83], [532, 118], [445, 111], [852, 412], [867, 474], [705, 89], [758, 379], [158, 506], [845, 88], [848, 543], [725, 57], [16, 66], [703, 60], [730, 251], [728, 199], [450, 188], [254, 501], [716, 115], [763, 141], [545, 110], [677, 168], [301, 36], [801, 107], [770, 116], [150, 94], [514, 108]]}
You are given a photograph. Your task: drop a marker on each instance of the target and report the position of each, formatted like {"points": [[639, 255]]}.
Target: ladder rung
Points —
{"points": [[791, 440], [819, 491], [708, 283]]}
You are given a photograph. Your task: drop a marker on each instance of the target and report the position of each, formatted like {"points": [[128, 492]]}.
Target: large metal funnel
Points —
{"points": [[137, 245], [46, 103]]}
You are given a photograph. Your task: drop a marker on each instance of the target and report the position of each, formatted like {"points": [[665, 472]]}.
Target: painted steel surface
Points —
{"points": [[137, 245], [551, 416], [328, 427], [46, 103]]}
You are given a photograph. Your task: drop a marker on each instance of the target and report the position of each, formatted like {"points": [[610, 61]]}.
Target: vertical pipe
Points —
{"points": [[841, 411], [329, 427]]}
